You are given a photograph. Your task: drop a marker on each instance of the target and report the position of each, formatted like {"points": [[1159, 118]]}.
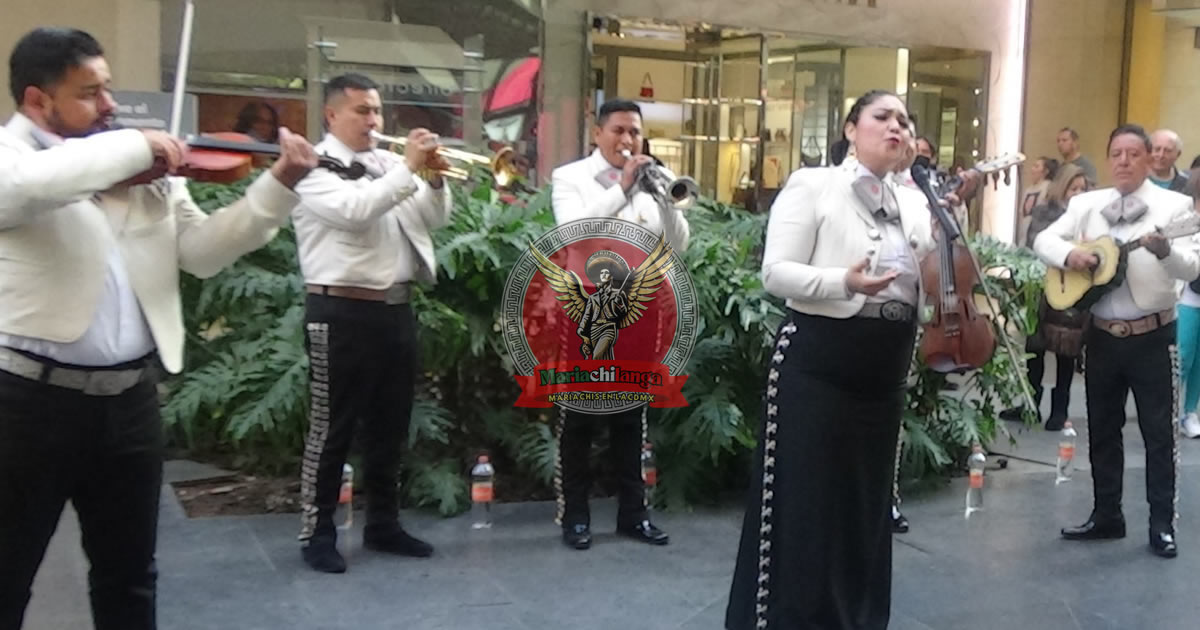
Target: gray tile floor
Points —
{"points": [[1003, 568]]}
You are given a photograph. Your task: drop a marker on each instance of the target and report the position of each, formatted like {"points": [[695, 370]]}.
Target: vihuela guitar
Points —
{"points": [[1069, 288]]}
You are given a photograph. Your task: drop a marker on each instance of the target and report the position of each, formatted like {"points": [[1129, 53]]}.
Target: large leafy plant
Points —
{"points": [[244, 394]]}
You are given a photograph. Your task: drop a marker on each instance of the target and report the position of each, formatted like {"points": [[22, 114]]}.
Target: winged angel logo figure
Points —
{"points": [[603, 313]]}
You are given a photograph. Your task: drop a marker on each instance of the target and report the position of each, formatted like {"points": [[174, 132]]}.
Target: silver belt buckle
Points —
{"points": [[1118, 328], [398, 294], [893, 310]]}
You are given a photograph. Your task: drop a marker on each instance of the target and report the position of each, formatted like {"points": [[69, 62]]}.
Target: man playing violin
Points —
{"points": [[1131, 340], [89, 279], [362, 242]]}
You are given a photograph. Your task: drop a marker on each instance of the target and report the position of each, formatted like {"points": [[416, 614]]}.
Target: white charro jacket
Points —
{"points": [[60, 216]]}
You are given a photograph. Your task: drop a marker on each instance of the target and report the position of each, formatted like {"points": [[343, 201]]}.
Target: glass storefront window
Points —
{"points": [[740, 110], [467, 70]]}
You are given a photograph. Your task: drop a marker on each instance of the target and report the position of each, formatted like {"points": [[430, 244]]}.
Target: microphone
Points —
{"points": [[920, 175]]}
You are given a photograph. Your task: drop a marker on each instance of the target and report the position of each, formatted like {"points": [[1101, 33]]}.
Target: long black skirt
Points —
{"points": [[816, 546]]}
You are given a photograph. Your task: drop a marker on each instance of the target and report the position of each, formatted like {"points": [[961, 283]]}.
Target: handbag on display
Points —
{"points": [[647, 87], [810, 153]]}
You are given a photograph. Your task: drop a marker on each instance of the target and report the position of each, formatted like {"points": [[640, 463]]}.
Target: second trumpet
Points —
{"points": [[679, 193], [446, 152]]}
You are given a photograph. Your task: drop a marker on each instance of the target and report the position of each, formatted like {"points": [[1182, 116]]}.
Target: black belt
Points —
{"points": [[892, 311]]}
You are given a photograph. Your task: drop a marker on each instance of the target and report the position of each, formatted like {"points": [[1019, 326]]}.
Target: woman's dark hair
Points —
{"points": [[1051, 166], [863, 101], [837, 152], [1195, 163], [249, 115]]}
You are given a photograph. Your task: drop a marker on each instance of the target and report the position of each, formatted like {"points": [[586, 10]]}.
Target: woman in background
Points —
{"points": [[1188, 333], [1041, 173], [1060, 332]]}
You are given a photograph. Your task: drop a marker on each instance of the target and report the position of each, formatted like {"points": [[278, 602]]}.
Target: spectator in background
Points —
{"points": [[1167, 148], [1188, 333], [259, 121], [1068, 147], [1058, 331], [1041, 173], [927, 148]]}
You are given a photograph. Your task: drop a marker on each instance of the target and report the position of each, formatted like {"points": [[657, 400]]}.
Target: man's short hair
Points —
{"points": [[44, 55], [1132, 130], [1074, 134], [933, 148], [611, 107], [350, 81]]}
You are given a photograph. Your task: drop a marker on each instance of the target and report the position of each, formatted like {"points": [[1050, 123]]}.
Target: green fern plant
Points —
{"points": [[244, 393]]}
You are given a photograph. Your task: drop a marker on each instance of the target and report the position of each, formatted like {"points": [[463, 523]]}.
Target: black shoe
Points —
{"points": [[577, 537], [322, 555], [646, 533], [1163, 544], [394, 539], [899, 523], [1096, 530], [1012, 414], [1056, 421]]}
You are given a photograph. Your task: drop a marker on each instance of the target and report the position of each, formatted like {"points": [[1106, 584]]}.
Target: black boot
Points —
{"points": [[1060, 397], [391, 538], [320, 553], [1014, 413]]}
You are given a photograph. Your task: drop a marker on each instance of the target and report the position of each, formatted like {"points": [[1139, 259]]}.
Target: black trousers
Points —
{"points": [[102, 453], [816, 541], [1064, 373], [363, 362], [1148, 364], [627, 433]]}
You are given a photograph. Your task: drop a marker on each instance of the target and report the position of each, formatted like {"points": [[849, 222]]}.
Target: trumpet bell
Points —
{"points": [[683, 192]]}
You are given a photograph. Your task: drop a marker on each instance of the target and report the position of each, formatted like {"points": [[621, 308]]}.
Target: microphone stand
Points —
{"points": [[951, 231]]}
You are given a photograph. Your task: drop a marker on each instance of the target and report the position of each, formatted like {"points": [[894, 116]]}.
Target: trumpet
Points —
{"points": [[679, 193], [498, 167]]}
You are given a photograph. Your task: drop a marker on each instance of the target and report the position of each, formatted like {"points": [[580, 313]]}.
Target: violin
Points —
{"points": [[226, 157], [957, 338]]}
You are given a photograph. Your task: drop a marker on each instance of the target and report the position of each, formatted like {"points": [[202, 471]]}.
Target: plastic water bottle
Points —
{"points": [[975, 464], [649, 470], [344, 516], [1066, 454], [482, 492]]}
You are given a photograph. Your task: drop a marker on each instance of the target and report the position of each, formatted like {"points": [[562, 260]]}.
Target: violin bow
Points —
{"points": [[181, 67]]}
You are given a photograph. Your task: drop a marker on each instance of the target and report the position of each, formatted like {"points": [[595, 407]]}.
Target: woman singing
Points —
{"points": [[842, 247]]}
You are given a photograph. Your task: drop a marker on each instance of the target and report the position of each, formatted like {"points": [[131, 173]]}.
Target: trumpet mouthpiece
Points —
{"points": [[625, 153]]}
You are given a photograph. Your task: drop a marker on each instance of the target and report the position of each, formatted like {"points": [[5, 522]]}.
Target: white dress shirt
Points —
{"points": [[118, 332], [372, 232], [895, 254], [591, 188]]}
